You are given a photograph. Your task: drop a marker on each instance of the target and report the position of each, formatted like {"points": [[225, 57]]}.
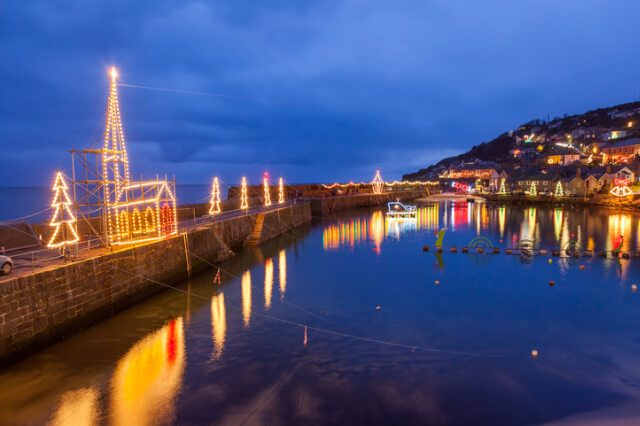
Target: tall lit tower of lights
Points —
{"points": [[115, 164], [377, 183], [135, 211]]}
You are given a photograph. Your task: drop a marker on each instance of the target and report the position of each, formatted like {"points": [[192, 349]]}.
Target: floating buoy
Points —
{"points": [[437, 282], [534, 353], [551, 283], [581, 266], [501, 241], [634, 287], [375, 249], [377, 308], [550, 260]]}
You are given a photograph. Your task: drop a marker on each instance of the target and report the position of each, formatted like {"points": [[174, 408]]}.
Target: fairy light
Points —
{"points": [[621, 188], [267, 193], [244, 200], [62, 216], [280, 191], [533, 190], [503, 190], [377, 183], [392, 184], [215, 197], [559, 191], [123, 209]]}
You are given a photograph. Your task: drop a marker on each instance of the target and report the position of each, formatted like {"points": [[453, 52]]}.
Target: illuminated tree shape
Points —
{"points": [[533, 190], [280, 191], [377, 183], [136, 222], [244, 199], [559, 191], [267, 193], [63, 220], [215, 197], [503, 190]]}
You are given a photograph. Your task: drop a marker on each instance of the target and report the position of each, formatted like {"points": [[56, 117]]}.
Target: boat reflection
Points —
{"points": [[397, 226], [148, 378]]}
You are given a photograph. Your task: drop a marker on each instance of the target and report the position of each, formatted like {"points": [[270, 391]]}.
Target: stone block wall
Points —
{"points": [[46, 306]]}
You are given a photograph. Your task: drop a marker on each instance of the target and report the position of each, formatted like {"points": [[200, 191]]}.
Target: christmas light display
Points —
{"points": [[267, 193], [63, 220], [280, 191], [503, 190], [125, 201], [559, 190], [377, 184], [533, 190], [244, 200], [215, 197], [394, 183], [621, 188]]}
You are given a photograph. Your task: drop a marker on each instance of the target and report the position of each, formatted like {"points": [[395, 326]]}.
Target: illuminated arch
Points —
{"points": [[149, 220], [166, 215], [136, 222], [123, 224]]}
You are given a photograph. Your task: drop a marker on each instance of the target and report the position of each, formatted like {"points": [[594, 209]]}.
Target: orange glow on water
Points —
{"points": [[268, 282], [282, 270], [246, 298], [218, 324], [148, 378], [79, 407]]}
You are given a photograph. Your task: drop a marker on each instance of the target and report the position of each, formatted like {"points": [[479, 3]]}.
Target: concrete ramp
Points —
{"points": [[254, 239]]}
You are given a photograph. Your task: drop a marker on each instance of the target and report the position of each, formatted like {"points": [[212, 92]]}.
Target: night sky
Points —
{"points": [[319, 90]]}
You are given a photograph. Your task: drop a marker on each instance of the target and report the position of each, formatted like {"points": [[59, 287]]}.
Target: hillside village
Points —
{"points": [[585, 154]]}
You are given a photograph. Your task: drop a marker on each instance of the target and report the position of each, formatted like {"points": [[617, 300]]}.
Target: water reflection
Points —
{"points": [[268, 282], [147, 379], [246, 297], [397, 226], [282, 272], [78, 407], [218, 324]]}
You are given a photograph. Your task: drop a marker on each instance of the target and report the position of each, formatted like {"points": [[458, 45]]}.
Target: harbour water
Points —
{"points": [[348, 321]]}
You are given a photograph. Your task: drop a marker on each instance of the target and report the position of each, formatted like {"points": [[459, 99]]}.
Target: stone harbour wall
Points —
{"points": [[328, 205], [38, 309]]}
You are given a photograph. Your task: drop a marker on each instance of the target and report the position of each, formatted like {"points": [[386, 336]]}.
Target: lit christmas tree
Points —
{"points": [[215, 197], [280, 192], [267, 193], [559, 191], [244, 199], [63, 220], [503, 190], [533, 190]]}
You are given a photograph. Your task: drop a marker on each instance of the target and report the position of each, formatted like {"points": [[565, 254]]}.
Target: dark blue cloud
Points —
{"points": [[324, 91]]}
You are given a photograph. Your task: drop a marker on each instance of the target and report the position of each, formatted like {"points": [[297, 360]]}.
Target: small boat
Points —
{"points": [[397, 210]]}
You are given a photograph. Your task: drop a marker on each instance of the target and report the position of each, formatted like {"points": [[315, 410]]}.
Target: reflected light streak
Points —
{"points": [[282, 270], [501, 220], [218, 324], [147, 379], [246, 297], [268, 283], [78, 407]]}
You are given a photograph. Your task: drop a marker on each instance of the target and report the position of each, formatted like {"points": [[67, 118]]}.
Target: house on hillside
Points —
{"points": [[572, 186], [544, 183], [495, 179], [591, 184], [622, 151], [561, 157]]}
